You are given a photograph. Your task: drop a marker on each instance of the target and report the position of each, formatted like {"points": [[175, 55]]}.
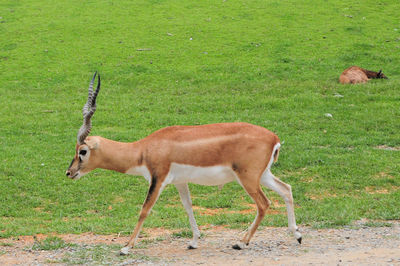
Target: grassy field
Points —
{"points": [[272, 63]]}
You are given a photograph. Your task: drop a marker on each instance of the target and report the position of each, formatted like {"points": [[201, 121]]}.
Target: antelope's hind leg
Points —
{"points": [[285, 191], [262, 202], [184, 193]]}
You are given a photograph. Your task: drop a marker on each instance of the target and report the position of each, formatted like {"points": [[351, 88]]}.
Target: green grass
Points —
{"points": [[50, 243], [183, 234], [377, 224], [99, 255], [271, 63]]}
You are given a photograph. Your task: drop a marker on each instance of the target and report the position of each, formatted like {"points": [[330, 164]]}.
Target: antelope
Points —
{"points": [[211, 155], [355, 74]]}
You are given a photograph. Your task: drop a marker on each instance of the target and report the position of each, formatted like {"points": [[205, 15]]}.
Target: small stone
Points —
{"points": [[328, 115], [124, 251]]}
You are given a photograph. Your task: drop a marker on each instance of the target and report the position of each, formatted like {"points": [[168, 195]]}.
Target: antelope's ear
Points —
{"points": [[92, 142], [380, 72]]}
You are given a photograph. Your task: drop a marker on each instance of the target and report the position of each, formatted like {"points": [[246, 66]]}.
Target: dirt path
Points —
{"points": [[359, 245]]}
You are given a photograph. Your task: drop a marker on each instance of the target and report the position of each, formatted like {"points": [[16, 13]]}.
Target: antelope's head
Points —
{"points": [[380, 75], [84, 161]]}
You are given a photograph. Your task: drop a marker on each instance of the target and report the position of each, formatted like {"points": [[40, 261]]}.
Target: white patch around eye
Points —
{"points": [[82, 157]]}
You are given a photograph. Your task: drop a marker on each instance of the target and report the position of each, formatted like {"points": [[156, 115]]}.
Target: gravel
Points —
{"points": [[355, 245]]}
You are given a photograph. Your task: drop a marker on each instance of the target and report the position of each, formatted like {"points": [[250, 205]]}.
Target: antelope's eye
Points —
{"points": [[82, 152]]}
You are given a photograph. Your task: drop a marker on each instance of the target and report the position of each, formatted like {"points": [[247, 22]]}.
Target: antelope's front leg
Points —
{"points": [[184, 193], [155, 190]]}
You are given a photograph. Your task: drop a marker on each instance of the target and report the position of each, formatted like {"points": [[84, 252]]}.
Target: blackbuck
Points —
{"points": [[355, 74], [210, 155]]}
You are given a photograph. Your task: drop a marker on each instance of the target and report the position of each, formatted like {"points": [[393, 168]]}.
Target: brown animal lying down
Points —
{"points": [[355, 74]]}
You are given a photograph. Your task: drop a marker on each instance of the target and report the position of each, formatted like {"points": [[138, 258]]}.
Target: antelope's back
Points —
{"points": [[213, 144], [353, 74]]}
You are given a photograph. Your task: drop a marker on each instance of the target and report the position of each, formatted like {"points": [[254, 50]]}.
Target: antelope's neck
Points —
{"points": [[371, 74], [119, 156]]}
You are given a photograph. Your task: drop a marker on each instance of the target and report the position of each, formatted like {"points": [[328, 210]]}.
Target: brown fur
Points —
{"points": [[244, 147], [355, 74], [206, 145], [239, 148]]}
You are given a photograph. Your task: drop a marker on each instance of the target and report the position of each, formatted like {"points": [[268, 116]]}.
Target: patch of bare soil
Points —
{"points": [[387, 148], [356, 245]]}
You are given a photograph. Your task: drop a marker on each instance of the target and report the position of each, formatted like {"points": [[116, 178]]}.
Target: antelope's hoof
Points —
{"points": [[298, 236], [193, 244], [240, 246], [236, 246], [124, 251]]}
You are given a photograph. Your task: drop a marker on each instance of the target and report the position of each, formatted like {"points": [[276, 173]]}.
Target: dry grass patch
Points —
{"points": [[374, 190], [92, 211], [383, 175], [68, 219], [321, 196], [118, 199], [251, 208], [207, 211], [308, 179], [276, 203], [387, 148]]}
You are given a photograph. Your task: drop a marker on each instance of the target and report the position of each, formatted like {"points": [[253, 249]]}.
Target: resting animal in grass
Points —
{"points": [[355, 74], [207, 155]]}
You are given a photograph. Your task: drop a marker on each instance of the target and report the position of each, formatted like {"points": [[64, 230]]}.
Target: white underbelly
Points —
{"points": [[140, 170], [208, 176]]}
